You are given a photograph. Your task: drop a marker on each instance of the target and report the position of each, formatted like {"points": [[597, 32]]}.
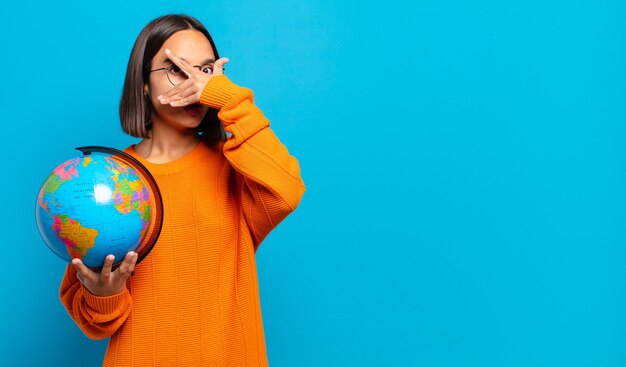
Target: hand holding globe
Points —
{"points": [[103, 213], [107, 282]]}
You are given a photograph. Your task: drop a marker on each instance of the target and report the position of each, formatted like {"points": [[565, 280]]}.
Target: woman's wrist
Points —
{"points": [[218, 91]]}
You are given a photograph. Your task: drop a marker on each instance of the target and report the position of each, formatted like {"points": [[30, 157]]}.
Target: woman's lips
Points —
{"points": [[194, 109]]}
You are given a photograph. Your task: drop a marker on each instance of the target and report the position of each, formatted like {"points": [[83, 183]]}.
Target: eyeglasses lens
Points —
{"points": [[176, 75]]}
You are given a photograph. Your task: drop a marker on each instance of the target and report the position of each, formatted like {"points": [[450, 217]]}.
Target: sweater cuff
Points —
{"points": [[218, 91], [107, 304]]}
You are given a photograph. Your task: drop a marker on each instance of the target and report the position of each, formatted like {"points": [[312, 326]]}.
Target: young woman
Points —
{"points": [[226, 182]]}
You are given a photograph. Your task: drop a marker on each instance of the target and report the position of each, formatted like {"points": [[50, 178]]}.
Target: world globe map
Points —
{"points": [[103, 202]]}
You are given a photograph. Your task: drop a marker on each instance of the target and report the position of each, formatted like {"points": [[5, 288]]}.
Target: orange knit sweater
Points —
{"points": [[194, 300]]}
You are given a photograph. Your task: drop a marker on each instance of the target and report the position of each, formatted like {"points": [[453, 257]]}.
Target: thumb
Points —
{"points": [[218, 67], [82, 272]]}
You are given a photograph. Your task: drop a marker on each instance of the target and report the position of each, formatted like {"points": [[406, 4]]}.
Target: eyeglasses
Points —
{"points": [[176, 76]]}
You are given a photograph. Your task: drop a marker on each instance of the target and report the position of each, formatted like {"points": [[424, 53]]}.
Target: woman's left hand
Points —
{"points": [[189, 91]]}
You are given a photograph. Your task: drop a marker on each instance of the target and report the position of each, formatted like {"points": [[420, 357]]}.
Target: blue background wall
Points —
{"points": [[465, 164]]}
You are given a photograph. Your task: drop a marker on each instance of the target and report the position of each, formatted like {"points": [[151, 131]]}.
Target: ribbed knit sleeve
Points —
{"points": [[98, 317], [272, 186]]}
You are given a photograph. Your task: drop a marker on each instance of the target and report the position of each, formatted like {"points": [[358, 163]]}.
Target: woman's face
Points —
{"points": [[193, 47]]}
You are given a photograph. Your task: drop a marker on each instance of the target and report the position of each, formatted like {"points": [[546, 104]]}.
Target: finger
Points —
{"points": [[175, 90], [218, 66], [184, 89], [82, 271], [105, 273], [186, 101], [182, 64], [127, 267]]}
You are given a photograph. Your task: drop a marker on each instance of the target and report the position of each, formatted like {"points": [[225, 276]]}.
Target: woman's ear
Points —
{"points": [[146, 90]]}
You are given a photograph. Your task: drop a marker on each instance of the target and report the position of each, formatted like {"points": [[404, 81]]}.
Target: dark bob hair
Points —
{"points": [[135, 106]]}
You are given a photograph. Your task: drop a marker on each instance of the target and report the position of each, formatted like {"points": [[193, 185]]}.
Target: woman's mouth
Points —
{"points": [[194, 109]]}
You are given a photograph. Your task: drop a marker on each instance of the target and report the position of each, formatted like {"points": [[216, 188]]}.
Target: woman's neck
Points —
{"points": [[166, 145]]}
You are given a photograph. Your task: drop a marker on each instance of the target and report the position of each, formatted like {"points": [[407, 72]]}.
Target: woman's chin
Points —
{"points": [[182, 118]]}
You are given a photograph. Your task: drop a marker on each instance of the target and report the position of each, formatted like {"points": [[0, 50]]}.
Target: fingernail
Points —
{"points": [[167, 51]]}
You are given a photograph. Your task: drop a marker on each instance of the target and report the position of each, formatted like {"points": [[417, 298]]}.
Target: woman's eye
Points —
{"points": [[174, 69], [207, 69]]}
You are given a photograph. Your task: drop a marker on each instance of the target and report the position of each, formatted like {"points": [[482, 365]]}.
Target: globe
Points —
{"points": [[102, 202]]}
